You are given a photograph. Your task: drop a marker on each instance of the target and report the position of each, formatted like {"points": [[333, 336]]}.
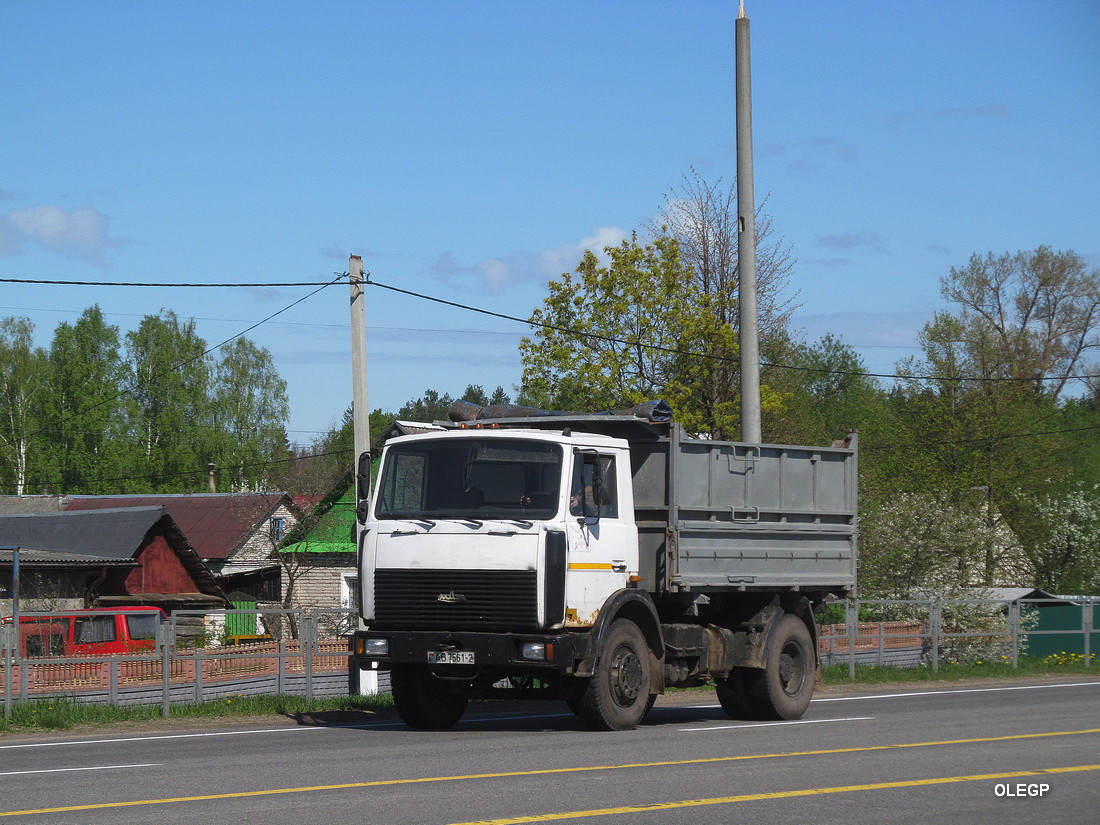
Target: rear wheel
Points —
{"points": [[424, 702], [617, 696], [733, 692], [784, 688]]}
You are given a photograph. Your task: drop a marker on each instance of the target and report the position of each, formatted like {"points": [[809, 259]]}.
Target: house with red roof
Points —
{"points": [[110, 557], [235, 534]]}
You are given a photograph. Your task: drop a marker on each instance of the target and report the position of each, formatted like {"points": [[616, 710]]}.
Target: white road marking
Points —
{"points": [[923, 693], [773, 724], [160, 737], [953, 690], [97, 768]]}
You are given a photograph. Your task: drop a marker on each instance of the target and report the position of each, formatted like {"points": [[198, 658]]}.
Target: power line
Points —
{"points": [[543, 325], [675, 351], [46, 282], [134, 385], [317, 325]]}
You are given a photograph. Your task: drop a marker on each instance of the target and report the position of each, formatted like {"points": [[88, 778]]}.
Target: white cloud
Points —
{"points": [[80, 233], [514, 268]]}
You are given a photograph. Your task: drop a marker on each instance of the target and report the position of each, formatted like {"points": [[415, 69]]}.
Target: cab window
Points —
{"points": [[593, 492]]}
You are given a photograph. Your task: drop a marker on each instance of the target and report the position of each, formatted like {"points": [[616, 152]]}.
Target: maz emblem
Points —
{"points": [[450, 598]]}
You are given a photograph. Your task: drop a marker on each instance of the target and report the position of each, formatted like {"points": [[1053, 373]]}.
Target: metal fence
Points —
{"points": [[931, 633], [194, 658], [200, 657]]}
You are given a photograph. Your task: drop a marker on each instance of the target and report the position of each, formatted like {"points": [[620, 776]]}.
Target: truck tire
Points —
{"points": [[575, 706], [784, 688], [733, 692], [424, 702], [617, 696]]}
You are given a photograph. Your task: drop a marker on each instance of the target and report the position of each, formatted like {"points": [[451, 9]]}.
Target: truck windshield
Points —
{"points": [[470, 478]]}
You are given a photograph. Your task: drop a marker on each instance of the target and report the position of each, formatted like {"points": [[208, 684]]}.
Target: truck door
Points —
{"points": [[602, 545]]}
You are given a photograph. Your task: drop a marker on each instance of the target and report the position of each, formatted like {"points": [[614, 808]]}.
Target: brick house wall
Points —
{"points": [[322, 580]]}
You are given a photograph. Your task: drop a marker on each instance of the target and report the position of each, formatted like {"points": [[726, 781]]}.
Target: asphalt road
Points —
{"points": [[1004, 753]]}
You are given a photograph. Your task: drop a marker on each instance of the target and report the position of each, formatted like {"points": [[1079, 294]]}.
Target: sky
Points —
{"points": [[472, 151]]}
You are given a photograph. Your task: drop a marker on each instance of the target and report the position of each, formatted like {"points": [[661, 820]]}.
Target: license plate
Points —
{"points": [[450, 657]]}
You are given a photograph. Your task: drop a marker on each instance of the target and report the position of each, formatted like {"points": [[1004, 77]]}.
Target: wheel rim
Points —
{"points": [[792, 668], [626, 676]]}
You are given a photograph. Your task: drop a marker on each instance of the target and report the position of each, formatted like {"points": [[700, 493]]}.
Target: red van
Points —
{"points": [[100, 631]]}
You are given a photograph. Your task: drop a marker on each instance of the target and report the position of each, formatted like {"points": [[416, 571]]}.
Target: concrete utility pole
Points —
{"points": [[360, 682], [359, 410], [746, 239]]}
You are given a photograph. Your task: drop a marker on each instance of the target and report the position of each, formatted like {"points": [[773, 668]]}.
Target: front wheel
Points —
{"points": [[424, 702], [617, 696], [784, 688]]}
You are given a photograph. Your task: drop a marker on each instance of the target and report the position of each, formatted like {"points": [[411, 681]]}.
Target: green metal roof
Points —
{"points": [[334, 533]]}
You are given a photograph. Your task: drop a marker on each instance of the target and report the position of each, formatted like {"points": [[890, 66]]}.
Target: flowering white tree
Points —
{"points": [[936, 549], [1063, 546], [933, 545]]}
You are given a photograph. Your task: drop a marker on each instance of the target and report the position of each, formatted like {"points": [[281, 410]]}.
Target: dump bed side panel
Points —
{"points": [[728, 515]]}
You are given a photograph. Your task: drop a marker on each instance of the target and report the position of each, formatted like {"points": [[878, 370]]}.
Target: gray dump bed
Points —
{"points": [[727, 516], [732, 516]]}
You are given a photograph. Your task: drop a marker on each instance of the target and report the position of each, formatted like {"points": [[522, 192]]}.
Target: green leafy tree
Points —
{"points": [[475, 394], [248, 412], [599, 330], [1077, 447], [170, 383], [660, 319], [994, 372], [86, 414], [429, 407], [1033, 317], [828, 393]]}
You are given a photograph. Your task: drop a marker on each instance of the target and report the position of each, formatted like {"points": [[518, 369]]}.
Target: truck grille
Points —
{"points": [[456, 599]]}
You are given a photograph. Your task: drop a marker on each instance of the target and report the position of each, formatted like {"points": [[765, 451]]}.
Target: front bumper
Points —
{"points": [[493, 652]]}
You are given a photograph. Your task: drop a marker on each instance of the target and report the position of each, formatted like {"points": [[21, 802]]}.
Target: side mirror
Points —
{"points": [[362, 487], [599, 495]]}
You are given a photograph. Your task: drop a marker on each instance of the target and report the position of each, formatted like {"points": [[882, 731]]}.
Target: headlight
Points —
{"points": [[376, 647], [537, 651]]}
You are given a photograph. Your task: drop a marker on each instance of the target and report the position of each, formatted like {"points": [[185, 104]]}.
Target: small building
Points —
{"points": [[319, 562], [235, 534], [116, 557]]}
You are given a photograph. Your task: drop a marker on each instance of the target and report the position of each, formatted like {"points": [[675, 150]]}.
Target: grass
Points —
{"points": [[1000, 668], [64, 714]]}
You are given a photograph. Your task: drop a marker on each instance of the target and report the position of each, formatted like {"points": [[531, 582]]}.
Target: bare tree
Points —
{"points": [[702, 217], [1032, 316]]}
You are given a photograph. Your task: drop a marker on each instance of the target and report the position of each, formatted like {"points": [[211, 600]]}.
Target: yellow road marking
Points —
{"points": [[756, 797], [545, 771]]}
